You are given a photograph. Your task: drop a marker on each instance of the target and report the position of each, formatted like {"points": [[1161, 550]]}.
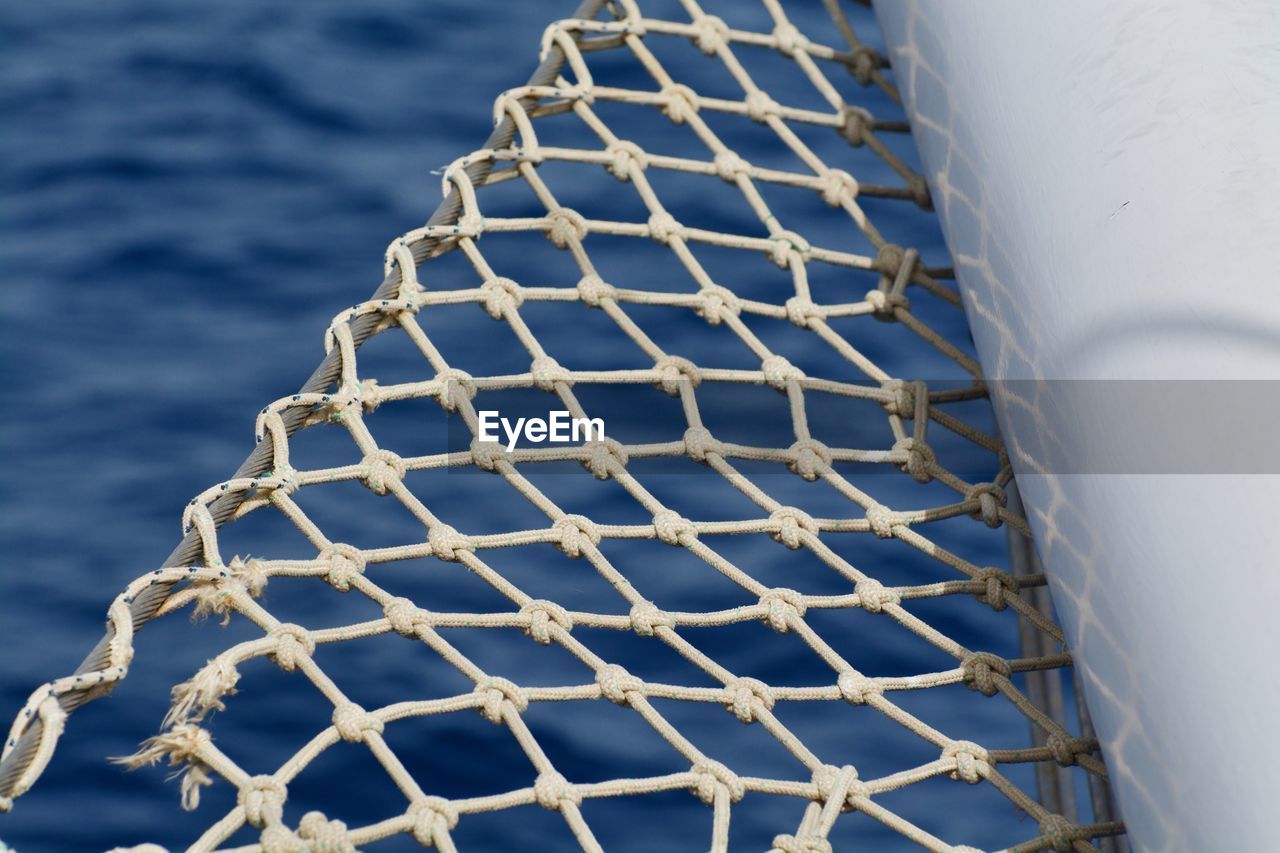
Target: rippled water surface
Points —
{"points": [[188, 194]]}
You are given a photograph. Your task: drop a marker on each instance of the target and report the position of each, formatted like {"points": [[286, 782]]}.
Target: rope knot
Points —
{"points": [[874, 595], [542, 614], [324, 834], [803, 843], [855, 125], [263, 800], [882, 520], [487, 454], [991, 498], [432, 817], [565, 226], [673, 371], [363, 396], [778, 372], [920, 458], [856, 688], [710, 34], [601, 455], [996, 587], [366, 394], [811, 458], [712, 775], [884, 305], [717, 302], [827, 777], [972, 761], [902, 398], [468, 225], [801, 310], [293, 644], [382, 468], [791, 522], [501, 295], [663, 226], [217, 596], [632, 20], [624, 155], [446, 542], [494, 692], [745, 696], [730, 166], [681, 103], [250, 573], [282, 478], [593, 290], [889, 259], [552, 790], [546, 372], [698, 442], [1067, 749], [761, 106], [354, 723], [837, 186], [576, 532], [782, 606], [404, 616], [615, 683], [981, 670], [646, 618], [1058, 832], [346, 563], [278, 838], [787, 243], [455, 386], [789, 39], [673, 528], [863, 64]]}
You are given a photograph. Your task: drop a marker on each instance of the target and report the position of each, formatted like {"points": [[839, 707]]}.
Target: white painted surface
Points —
{"points": [[1108, 174]]}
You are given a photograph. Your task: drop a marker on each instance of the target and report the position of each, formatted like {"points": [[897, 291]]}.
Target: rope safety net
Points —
{"points": [[889, 287]]}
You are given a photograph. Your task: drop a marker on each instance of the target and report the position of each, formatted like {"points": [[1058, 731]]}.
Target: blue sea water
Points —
{"points": [[188, 194]]}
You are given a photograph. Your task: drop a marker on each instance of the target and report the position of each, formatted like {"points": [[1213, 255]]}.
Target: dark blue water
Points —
{"points": [[188, 194]]}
